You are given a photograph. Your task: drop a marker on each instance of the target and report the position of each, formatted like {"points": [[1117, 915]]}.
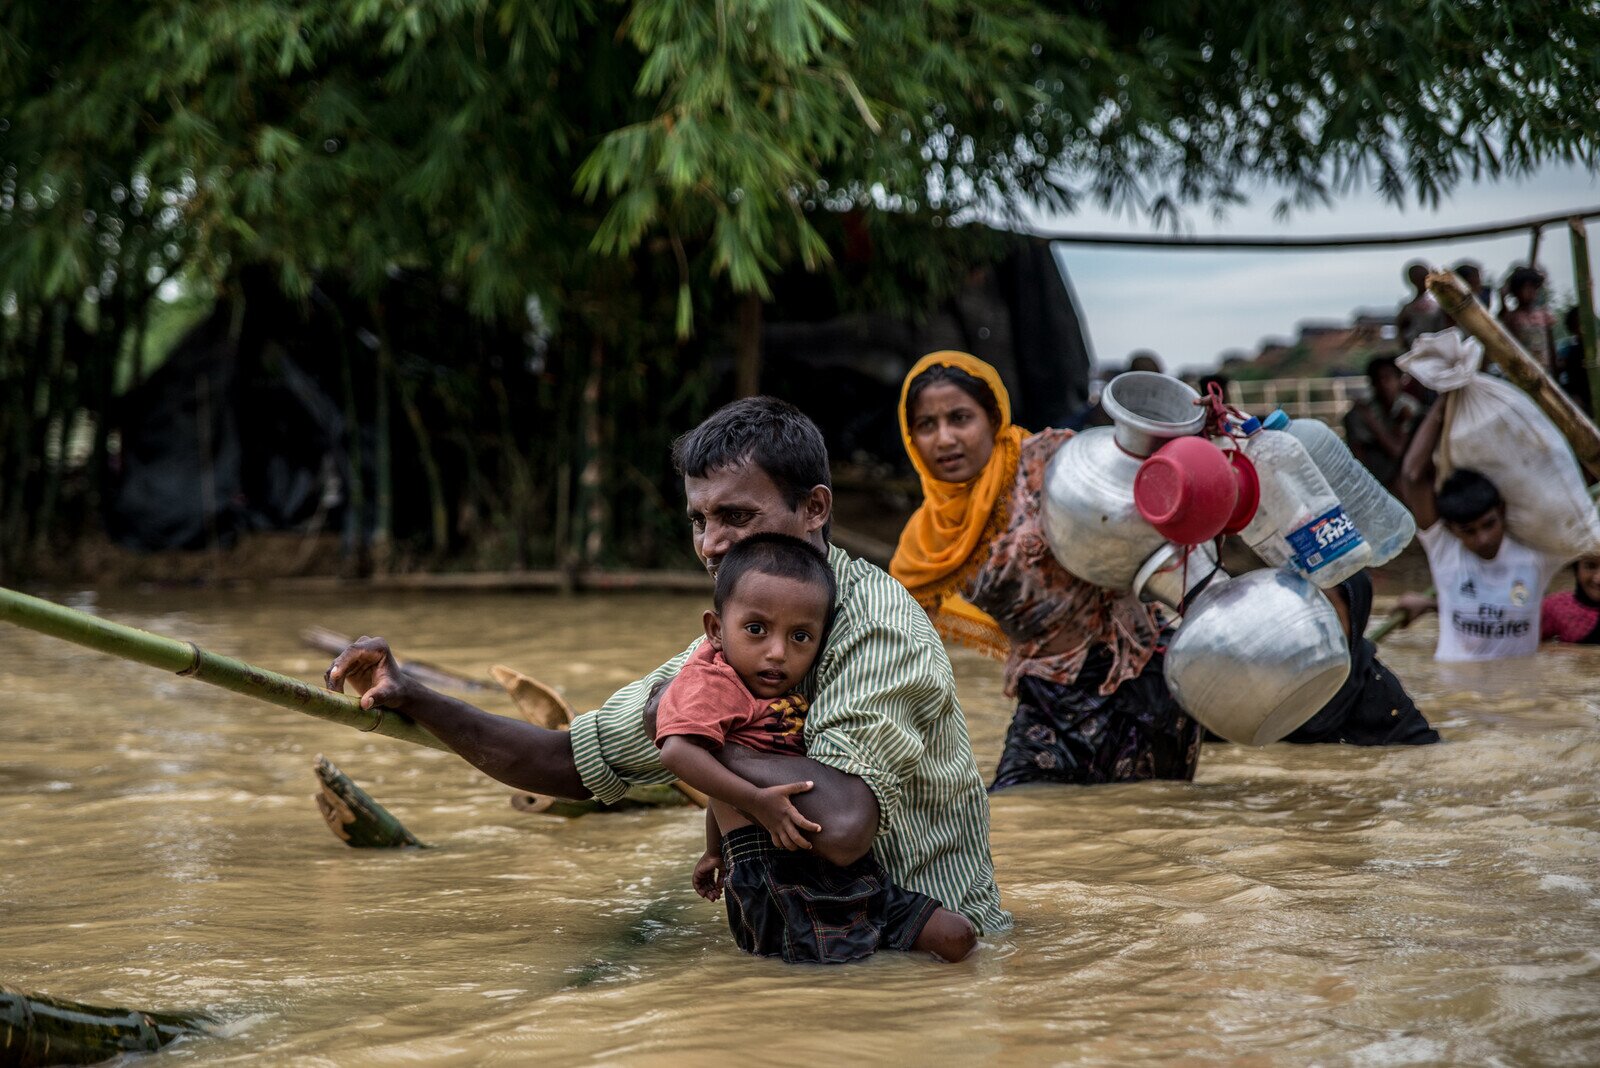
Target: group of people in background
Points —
{"points": [[1524, 311], [1489, 586]]}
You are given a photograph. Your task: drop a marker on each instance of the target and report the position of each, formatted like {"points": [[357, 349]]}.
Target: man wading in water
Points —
{"points": [[886, 741]]}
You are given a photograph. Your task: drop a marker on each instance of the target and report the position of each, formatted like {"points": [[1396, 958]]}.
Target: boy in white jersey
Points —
{"points": [[1489, 584]]}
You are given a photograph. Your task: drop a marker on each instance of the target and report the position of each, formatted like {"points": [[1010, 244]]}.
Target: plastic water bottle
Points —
{"points": [[1384, 522], [1300, 524]]}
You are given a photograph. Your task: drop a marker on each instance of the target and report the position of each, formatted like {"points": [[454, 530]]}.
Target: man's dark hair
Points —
{"points": [[972, 386], [1466, 496], [1378, 364], [779, 555], [770, 433]]}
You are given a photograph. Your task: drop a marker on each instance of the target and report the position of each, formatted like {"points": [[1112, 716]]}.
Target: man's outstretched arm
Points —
{"points": [[518, 754]]}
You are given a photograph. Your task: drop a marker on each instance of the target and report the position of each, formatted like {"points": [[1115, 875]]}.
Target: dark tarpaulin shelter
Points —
{"points": [[1018, 314], [229, 434]]}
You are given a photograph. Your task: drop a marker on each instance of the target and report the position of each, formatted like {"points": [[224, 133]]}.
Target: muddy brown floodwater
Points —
{"points": [[1294, 905]]}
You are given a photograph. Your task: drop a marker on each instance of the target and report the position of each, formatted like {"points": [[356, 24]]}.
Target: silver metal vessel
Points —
{"points": [[1089, 515], [1257, 656]]}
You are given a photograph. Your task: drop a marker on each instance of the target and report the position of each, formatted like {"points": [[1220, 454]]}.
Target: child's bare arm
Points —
{"points": [[708, 870], [692, 762]]}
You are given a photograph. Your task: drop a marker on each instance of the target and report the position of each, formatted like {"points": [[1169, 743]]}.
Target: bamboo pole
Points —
{"points": [[1521, 368], [187, 658], [1586, 322]]}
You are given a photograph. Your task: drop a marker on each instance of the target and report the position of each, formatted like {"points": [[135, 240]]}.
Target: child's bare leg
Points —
{"points": [[947, 935]]}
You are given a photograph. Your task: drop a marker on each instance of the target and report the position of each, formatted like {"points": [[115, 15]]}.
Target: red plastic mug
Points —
{"points": [[1188, 490]]}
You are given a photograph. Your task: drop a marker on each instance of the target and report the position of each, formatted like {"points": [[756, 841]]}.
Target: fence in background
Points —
{"points": [[1327, 399]]}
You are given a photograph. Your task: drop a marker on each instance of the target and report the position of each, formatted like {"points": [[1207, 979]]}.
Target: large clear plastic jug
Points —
{"points": [[1300, 524], [1384, 522]]}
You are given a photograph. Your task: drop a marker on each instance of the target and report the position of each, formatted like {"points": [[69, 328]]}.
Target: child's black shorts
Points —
{"points": [[799, 907]]}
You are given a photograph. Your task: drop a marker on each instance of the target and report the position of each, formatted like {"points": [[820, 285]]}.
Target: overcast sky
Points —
{"points": [[1192, 306]]}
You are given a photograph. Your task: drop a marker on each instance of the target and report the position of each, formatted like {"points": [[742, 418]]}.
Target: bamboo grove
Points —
{"points": [[524, 242]]}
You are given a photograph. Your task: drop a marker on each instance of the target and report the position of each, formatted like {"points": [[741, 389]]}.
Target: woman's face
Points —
{"points": [[952, 433], [1589, 577]]}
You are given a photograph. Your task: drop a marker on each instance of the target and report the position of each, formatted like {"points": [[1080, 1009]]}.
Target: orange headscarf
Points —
{"points": [[947, 539]]}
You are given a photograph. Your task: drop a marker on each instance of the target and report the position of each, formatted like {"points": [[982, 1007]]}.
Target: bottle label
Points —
{"points": [[1323, 540]]}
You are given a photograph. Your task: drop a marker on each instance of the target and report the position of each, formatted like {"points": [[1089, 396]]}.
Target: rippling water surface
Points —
{"points": [[159, 847]]}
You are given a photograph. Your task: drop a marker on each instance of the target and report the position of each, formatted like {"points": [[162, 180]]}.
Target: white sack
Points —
{"points": [[1494, 428]]}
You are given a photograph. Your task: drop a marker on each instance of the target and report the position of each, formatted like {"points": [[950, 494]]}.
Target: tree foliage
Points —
{"points": [[632, 166]]}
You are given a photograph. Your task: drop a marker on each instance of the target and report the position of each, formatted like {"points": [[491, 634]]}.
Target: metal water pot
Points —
{"points": [[1257, 655], [1090, 520]]}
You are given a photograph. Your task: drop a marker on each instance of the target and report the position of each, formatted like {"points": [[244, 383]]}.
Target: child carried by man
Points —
{"points": [[772, 608]]}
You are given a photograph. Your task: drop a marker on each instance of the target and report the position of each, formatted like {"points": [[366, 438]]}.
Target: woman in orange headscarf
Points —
{"points": [[1081, 660]]}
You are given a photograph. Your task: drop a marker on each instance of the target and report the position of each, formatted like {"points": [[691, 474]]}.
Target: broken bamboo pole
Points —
{"points": [[1503, 349], [39, 1030], [353, 816]]}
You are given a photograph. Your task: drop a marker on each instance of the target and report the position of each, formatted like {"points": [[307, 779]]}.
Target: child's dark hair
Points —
{"points": [[974, 387], [1378, 364], [773, 554], [1524, 276], [1465, 496]]}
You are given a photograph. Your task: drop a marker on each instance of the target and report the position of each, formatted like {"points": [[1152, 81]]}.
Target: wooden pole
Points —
{"points": [[382, 468], [747, 355], [1457, 301], [187, 658], [1586, 323]]}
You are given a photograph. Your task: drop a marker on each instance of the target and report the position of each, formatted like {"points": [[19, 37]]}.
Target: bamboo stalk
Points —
{"points": [[382, 468], [40, 1030], [1586, 324], [1521, 368], [438, 515], [186, 658], [353, 816]]}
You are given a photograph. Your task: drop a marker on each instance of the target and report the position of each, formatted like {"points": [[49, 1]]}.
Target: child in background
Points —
{"points": [[1489, 584], [772, 607], [1528, 321], [1573, 616]]}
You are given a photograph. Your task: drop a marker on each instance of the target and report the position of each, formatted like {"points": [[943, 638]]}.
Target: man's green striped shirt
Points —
{"points": [[883, 708]]}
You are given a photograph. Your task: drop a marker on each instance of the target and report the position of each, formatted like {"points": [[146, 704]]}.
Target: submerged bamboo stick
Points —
{"points": [[353, 816], [41, 1031], [187, 658], [1524, 370]]}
